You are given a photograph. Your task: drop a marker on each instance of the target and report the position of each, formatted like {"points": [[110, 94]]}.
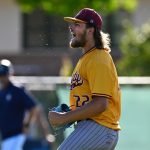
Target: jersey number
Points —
{"points": [[78, 99]]}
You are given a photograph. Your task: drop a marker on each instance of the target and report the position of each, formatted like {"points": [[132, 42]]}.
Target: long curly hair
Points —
{"points": [[102, 40]]}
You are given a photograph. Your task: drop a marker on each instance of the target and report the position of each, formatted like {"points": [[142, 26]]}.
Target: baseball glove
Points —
{"points": [[61, 108]]}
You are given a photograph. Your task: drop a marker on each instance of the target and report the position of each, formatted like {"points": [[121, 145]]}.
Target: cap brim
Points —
{"points": [[72, 20]]}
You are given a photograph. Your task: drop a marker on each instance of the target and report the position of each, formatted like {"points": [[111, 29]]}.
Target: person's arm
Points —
{"points": [[29, 106], [29, 115], [95, 107], [41, 119]]}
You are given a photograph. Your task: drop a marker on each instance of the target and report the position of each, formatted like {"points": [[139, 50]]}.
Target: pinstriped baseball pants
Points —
{"points": [[89, 135]]}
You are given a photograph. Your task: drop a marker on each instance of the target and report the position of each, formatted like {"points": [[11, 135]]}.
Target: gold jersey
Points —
{"points": [[95, 75]]}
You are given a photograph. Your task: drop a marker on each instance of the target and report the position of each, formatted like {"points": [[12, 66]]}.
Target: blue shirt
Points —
{"points": [[14, 102]]}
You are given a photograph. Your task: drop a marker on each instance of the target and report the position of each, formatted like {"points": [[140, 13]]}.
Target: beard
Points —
{"points": [[76, 43]]}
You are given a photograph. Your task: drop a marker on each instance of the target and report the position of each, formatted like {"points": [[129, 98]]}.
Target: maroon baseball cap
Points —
{"points": [[87, 15]]}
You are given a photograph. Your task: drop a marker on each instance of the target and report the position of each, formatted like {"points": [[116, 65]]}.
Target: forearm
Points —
{"points": [[29, 116], [95, 107], [43, 121]]}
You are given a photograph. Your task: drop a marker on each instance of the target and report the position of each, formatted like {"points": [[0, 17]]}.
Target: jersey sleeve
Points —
{"points": [[100, 79], [28, 100]]}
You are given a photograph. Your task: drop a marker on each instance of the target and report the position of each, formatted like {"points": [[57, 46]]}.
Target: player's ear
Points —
{"points": [[91, 31]]}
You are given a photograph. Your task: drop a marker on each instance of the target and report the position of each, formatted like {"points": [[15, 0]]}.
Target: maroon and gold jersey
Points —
{"points": [[95, 75]]}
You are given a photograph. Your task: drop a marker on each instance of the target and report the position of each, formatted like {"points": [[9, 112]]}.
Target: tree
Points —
{"points": [[69, 7], [135, 48]]}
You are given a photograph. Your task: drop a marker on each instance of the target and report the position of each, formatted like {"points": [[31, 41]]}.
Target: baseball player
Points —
{"points": [[94, 90], [14, 103]]}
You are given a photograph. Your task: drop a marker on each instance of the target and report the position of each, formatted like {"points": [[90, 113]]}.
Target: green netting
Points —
{"points": [[135, 119]]}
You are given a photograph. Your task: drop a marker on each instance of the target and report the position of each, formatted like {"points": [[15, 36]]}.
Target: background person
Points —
{"points": [[15, 102]]}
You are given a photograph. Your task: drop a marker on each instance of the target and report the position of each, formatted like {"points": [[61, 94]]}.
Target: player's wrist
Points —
{"points": [[65, 118], [68, 117]]}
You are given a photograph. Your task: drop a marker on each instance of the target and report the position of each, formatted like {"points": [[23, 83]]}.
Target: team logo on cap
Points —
{"points": [[76, 80], [91, 21]]}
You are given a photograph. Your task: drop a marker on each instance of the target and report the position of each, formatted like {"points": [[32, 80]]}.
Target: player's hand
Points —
{"points": [[56, 118]]}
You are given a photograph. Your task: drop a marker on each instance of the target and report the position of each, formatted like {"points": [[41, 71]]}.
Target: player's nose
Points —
{"points": [[71, 27]]}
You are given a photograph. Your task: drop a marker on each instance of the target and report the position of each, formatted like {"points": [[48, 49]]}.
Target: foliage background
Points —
{"points": [[69, 7], [135, 48]]}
